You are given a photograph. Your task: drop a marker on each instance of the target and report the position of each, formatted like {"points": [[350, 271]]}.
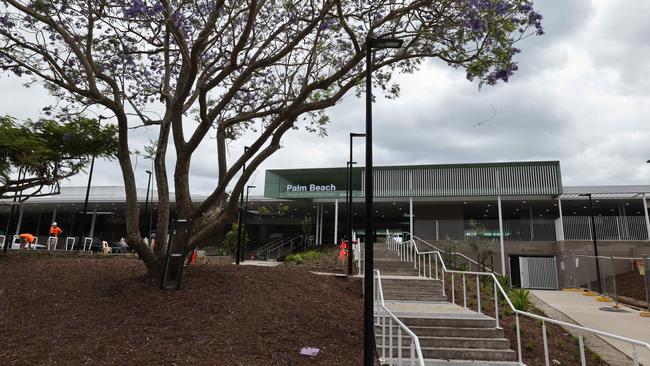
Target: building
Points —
{"points": [[520, 209]]}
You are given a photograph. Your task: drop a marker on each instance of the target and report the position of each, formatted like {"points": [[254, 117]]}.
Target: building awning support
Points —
{"points": [[503, 252], [336, 221], [20, 219], [645, 212], [560, 235], [411, 218], [317, 223]]}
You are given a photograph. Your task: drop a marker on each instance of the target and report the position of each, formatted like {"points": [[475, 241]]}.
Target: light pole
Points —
{"points": [[245, 215], [368, 295], [146, 201], [83, 217], [593, 236], [239, 220], [349, 202]]}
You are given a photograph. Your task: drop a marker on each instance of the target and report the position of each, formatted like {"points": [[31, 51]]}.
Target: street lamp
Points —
{"points": [[349, 202], [146, 200], [593, 236], [83, 217], [368, 298], [239, 220], [245, 214]]}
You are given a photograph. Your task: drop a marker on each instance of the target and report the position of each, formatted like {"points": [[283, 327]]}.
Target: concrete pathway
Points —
{"points": [[259, 263], [584, 310]]}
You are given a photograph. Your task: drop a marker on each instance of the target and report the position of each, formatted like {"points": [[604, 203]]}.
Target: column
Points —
{"points": [[53, 218], [320, 227], [559, 207], [316, 233], [92, 223], [411, 218], [645, 212], [503, 254], [336, 221], [20, 219]]}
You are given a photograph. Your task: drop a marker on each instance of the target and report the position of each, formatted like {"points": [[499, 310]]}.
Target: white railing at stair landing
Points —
{"points": [[410, 252], [387, 321]]}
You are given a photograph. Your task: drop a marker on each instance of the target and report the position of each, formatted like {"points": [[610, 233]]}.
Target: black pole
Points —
{"points": [[82, 226], [349, 204], [239, 219], [593, 235], [348, 197], [368, 293], [146, 200]]}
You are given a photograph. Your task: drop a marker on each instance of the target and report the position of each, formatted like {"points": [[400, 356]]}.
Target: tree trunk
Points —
{"points": [[131, 212]]}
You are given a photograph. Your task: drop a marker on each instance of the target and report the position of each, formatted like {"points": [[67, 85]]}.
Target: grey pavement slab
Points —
{"points": [[585, 311]]}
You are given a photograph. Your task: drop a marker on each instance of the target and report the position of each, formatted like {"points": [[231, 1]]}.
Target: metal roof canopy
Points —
{"points": [[605, 192], [446, 180]]}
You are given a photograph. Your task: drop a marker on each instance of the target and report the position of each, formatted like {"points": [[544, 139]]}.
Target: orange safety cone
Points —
{"points": [[194, 256]]}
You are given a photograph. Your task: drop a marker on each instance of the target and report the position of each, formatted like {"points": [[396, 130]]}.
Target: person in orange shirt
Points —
{"points": [[55, 230], [28, 239]]}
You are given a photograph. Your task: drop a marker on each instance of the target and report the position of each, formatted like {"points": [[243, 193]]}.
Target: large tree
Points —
{"points": [[191, 66], [36, 156]]}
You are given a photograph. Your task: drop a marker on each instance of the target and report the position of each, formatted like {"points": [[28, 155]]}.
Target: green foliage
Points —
{"points": [[479, 245], [299, 258], [263, 210], [520, 299], [449, 253], [48, 151], [504, 281], [230, 244]]}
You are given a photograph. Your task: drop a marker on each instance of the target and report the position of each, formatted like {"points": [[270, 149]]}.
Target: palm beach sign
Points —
{"points": [[310, 188]]}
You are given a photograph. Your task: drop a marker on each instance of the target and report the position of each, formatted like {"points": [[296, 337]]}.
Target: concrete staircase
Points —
{"points": [[448, 334]]}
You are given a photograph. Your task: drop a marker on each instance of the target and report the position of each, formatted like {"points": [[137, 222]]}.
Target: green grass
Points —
{"points": [[302, 257]]}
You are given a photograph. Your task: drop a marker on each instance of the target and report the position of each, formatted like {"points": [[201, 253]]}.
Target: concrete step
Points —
{"points": [[443, 353], [450, 342], [449, 322], [414, 297], [455, 332]]}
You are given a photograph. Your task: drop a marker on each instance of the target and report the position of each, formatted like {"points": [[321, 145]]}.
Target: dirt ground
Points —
{"points": [[90, 310], [631, 285]]}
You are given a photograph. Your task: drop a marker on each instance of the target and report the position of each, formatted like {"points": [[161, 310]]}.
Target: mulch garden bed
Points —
{"points": [[563, 347], [631, 285], [89, 310]]}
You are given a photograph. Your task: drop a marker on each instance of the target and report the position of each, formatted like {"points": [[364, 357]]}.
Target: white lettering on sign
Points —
{"points": [[310, 188]]}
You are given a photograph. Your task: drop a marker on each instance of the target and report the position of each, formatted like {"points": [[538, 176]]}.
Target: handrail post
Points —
{"points": [[583, 360], [478, 294], [399, 344], [496, 302], [518, 337], [453, 291], [443, 284], [464, 293], [437, 265], [383, 336], [546, 360]]}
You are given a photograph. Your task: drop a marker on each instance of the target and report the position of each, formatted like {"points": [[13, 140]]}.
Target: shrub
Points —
{"points": [[520, 299], [302, 257]]}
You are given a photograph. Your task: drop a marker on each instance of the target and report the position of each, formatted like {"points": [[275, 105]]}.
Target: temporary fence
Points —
{"points": [[621, 278]]}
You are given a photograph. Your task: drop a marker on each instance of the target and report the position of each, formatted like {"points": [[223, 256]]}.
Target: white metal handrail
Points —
{"points": [[283, 245], [387, 321], [411, 251], [468, 259]]}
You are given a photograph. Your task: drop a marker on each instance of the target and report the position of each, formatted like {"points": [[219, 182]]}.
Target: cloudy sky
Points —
{"points": [[581, 96]]}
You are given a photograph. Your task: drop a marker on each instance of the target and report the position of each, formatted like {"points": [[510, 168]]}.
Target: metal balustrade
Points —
{"points": [[607, 228], [384, 318], [283, 248], [409, 251]]}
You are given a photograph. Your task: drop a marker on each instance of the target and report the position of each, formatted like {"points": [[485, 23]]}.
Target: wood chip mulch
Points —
{"points": [[93, 310]]}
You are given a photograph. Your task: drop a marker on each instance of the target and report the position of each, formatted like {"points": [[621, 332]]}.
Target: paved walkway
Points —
{"points": [[584, 310]]}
